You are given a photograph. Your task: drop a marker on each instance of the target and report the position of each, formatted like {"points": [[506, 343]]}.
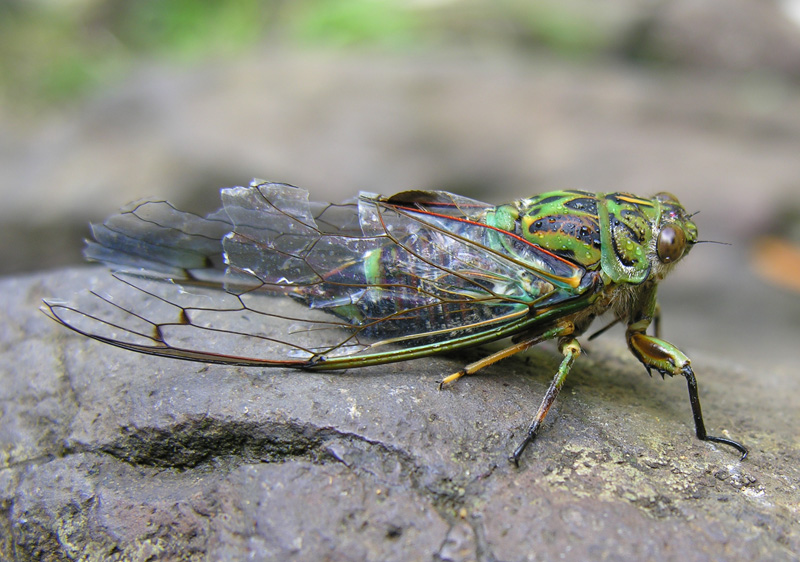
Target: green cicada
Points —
{"points": [[382, 279]]}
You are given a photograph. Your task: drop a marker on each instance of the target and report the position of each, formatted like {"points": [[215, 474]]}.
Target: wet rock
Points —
{"points": [[110, 455]]}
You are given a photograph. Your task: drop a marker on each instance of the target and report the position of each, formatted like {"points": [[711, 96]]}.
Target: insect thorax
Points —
{"points": [[610, 231]]}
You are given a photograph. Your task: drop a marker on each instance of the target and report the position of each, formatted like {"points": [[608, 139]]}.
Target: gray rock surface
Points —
{"points": [[110, 455]]}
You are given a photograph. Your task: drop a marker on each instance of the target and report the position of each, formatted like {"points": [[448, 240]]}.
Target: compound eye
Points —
{"points": [[671, 244]]}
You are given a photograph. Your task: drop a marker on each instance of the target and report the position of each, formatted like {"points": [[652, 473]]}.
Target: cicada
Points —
{"points": [[382, 279]]}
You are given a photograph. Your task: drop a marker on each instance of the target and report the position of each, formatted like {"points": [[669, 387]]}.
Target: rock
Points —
{"points": [[110, 455]]}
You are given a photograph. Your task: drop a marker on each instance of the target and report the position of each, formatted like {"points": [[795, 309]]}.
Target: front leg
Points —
{"points": [[655, 353]]}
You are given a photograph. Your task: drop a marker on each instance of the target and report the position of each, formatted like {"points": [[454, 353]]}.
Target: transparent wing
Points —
{"points": [[368, 281]]}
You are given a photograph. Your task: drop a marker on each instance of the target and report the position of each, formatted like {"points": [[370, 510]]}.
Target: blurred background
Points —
{"points": [[107, 101]]}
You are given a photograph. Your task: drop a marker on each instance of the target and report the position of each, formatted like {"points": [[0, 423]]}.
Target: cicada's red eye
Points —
{"points": [[671, 244]]}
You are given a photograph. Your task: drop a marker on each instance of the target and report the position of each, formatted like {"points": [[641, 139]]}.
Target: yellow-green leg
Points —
{"points": [[560, 330], [570, 347]]}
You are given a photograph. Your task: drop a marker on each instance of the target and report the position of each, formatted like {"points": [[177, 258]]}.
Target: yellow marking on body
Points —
{"points": [[635, 200], [573, 280]]}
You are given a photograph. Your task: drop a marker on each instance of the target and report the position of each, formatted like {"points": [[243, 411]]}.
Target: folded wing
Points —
{"points": [[368, 281]]}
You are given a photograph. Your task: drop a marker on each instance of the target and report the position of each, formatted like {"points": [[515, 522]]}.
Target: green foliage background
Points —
{"points": [[54, 51]]}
